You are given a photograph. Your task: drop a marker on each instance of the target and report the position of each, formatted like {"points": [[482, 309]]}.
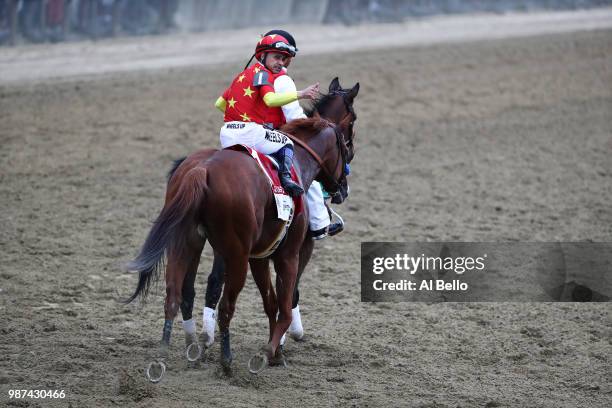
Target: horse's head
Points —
{"points": [[337, 108]]}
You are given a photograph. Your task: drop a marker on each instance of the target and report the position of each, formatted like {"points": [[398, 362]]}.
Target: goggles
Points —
{"points": [[284, 47]]}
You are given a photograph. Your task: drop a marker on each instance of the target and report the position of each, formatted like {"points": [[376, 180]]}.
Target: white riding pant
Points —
{"points": [[319, 218], [253, 135]]}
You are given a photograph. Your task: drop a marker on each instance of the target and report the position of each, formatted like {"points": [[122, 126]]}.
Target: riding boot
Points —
{"points": [[285, 156], [334, 227], [319, 234]]}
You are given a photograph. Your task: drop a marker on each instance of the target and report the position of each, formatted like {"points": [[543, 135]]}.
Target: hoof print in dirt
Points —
{"points": [[134, 385]]}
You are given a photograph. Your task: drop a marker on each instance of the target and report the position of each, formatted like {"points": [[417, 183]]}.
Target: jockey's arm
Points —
{"points": [[276, 99], [291, 110], [221, 104]]}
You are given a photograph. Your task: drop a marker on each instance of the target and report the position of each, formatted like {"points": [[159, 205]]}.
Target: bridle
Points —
{"points": [[342, 143]]}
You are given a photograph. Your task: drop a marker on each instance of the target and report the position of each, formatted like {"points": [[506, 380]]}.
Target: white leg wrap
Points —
{"points": [[209, 318], [296, 331], [189, 326]]}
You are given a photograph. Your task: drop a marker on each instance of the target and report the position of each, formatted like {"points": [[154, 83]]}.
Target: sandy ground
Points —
{"points": [[82, 59], [488, 141]]}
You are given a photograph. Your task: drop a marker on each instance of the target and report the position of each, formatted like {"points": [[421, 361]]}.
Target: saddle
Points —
{"points": [[269, 166]]}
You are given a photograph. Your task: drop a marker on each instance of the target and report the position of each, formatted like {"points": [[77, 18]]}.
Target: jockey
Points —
{"points": [[248, 101]]}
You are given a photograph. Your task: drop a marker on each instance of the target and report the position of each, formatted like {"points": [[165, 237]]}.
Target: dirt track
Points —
{"points": [[490, 141]]}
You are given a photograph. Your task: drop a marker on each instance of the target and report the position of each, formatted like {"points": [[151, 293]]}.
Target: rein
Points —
{"points": [[341, 156]]}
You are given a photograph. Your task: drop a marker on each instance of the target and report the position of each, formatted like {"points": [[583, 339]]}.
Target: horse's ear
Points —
{"points": [[334, 85], [354, 91]]}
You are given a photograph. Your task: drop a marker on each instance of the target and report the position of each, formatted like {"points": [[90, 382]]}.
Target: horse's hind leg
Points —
{"points": [[260, 268], [235, 276], [286, 272], [179, 266], [188, 295]]}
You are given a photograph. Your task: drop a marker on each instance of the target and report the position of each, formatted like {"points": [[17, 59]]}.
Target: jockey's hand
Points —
{"points": [[311, 92]]}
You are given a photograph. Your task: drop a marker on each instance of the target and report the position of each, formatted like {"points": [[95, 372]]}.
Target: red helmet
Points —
{"points": [[274, 43]]}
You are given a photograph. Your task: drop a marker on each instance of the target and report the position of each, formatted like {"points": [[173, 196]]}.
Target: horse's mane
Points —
{"points": [[313, 124], [306, 127], [319, 104]]}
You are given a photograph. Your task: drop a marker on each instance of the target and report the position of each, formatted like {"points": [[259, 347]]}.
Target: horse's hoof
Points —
{"points": [[226, 366], [278, 360], [193, 352], [163, 350], [190, 338], [258, 363], [226, 360], [156, 371]]}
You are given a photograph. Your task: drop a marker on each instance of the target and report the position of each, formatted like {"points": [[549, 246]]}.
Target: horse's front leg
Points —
{"points": [[296, 331], [214, 286]]}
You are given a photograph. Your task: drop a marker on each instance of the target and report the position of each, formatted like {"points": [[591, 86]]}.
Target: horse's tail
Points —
{"points": [[170, 230]]}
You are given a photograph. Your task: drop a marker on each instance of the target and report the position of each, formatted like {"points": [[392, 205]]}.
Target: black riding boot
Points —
{"points": [[334, 228], [285, 161]]}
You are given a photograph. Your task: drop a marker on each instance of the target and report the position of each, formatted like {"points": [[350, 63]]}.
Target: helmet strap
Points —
{"points": [[250, 59]]}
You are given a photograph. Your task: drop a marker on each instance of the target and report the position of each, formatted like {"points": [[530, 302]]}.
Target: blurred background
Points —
{"points": [[37, 21]]}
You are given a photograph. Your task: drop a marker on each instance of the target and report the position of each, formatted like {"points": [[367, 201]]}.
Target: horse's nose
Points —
{"points": [[341, 195], [338, 198]]}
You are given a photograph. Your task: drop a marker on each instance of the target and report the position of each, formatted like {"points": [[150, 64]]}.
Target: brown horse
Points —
{"points": [[224, 197]]}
